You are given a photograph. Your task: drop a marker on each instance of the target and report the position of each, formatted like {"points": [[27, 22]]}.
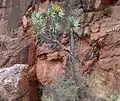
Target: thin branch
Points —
{"points": [[56, 41]]}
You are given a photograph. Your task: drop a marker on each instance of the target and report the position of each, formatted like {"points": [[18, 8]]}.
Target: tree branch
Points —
{"points": [[56, 41]]}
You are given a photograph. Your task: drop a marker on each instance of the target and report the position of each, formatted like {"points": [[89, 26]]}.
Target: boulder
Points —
{"points": [[10, 82]]}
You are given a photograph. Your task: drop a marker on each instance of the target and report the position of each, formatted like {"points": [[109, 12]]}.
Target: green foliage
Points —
{"points": [[50, 16], [56, 11], [67, 90], [63, 90], [73, 24], [47, 98], [113, 98], [53, 20], [38, 22]]}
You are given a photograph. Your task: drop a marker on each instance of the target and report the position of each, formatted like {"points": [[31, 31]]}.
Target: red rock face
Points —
{"points": [[48, 71], [32, 52], [50, 68], [108, 2], [108, 37], [31, 76], [98, 4]]}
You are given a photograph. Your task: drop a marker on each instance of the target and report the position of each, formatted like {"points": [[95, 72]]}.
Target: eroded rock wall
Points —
{"points": [[105, 75], [13, 49], [47, 65]]}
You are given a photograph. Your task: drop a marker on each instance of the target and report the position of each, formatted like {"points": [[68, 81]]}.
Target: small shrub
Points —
{"points": [[113, 98], [53, 20], [47, 98], [63, 90], [107, 11]]}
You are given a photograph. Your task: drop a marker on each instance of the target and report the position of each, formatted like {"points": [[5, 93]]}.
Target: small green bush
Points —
{"points": [[63, 90], [113, 98], [53, 20]]}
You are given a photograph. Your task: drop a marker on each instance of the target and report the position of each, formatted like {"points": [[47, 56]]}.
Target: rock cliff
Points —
{"points": [[99, 51]]}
